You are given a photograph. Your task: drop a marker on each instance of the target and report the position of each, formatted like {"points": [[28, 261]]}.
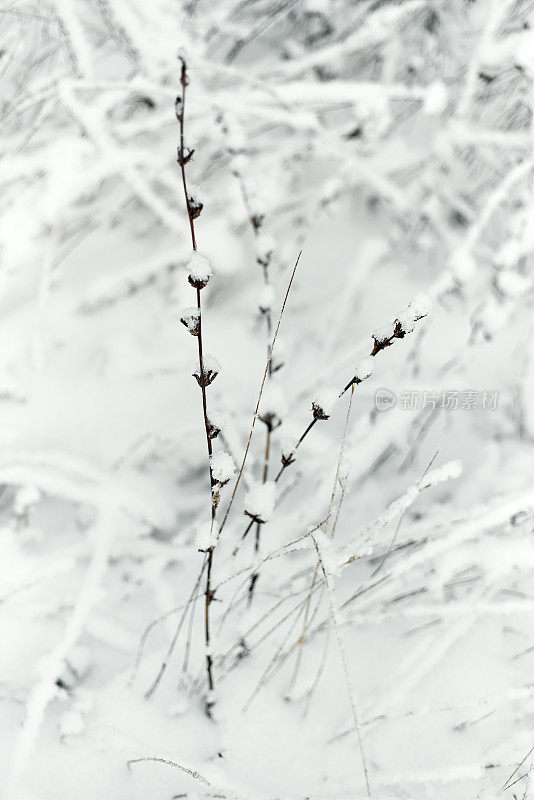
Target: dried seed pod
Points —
{"points": [[195, 206]]}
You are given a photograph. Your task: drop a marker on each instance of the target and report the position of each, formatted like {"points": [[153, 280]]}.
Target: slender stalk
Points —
{"points": [[330, 509], [256, 223], [164, 663], [255, 415], [378, 346], [183, 159], [255, 575]]}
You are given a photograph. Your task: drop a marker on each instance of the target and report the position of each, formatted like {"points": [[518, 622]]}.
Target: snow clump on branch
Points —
{"points": [[259, 501]]}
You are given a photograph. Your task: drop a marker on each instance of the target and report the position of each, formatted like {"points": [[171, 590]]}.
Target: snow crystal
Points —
{"points": [[419, 307], [327, 552], [211, 363], [273, 405], [324, 402], [265, 245], [259, 501], [216, 423], [436, 98], [364, 368], [238, 163], [199, 269], [236, 140], [288, 445], [343, 471], [210, 371], [406, 320], [266, 300], [190, 318], [207, 535], [222, 466], [196, 192], [452, 469], [383, 333], [420, 304]]}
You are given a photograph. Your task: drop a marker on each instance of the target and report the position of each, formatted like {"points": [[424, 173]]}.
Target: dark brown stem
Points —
{"points": [[378, 346], [255, 575], [209, 659], [255, 415], [182, 160], [303, 436], [204, 398]]}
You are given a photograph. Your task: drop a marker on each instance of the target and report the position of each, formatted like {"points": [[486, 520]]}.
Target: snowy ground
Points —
{"points": [[391, 143]]}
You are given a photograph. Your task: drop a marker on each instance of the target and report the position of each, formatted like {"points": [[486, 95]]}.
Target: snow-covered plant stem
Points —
{"points": [[382, 338], [255, 575], [263, 258], [264, 247], [193, 210]]}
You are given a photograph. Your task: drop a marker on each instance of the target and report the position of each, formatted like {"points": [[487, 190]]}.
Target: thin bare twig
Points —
{"points": [[378, 346], [192, 772], [255, 417], [341, 646], [172, 645]]}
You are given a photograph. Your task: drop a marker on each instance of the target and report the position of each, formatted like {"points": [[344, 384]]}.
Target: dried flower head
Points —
{"points": [[194, 205], [210, 370]]}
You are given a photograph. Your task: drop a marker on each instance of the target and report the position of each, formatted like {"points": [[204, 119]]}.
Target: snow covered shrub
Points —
{"points": [[358, 620]]}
